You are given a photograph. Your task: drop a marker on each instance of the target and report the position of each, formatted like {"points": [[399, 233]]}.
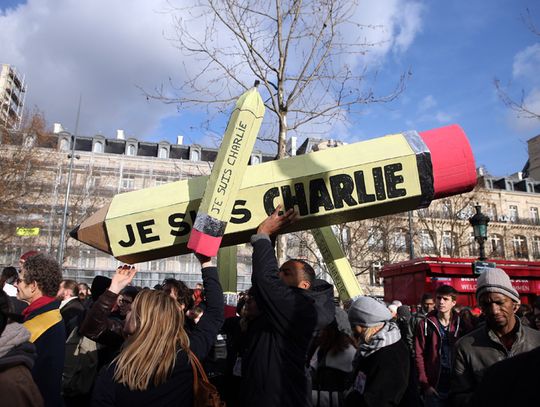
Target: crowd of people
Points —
{"points": [[288, 342]]}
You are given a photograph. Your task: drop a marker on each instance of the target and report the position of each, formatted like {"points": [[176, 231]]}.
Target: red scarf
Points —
{"points": [[40, 302]]}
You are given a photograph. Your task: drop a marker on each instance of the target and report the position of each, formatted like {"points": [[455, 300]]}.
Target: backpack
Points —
{"points": [[81, 365]]}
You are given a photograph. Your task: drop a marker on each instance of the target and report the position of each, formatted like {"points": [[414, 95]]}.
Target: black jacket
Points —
{"points": [[49, 365], [178, 389], [386, 377], [273, 366], [72, 314]]}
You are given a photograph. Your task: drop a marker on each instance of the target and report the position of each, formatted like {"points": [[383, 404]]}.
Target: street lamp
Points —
{"points": [[479, 222]]}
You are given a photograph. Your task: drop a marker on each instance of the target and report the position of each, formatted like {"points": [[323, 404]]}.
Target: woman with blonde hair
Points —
{"points": [[154, 366], [381, 364]]}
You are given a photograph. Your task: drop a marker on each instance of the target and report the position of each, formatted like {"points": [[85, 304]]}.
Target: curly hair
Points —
{"points": [[45, 271]]}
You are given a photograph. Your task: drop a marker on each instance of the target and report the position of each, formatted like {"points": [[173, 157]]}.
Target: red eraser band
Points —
{"points": [[454, 170], [202, 243]]}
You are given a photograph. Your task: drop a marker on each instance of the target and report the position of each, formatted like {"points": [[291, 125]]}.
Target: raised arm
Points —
{"points": [[203, 336], [281, 303], [97, 321]]}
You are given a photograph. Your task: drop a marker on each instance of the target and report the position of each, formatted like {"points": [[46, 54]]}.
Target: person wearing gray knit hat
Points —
{"points": [[502, 336], [495, 280], [368, 312]]}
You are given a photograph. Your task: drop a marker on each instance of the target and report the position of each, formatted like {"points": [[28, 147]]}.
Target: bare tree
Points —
{"points": [[21, 161], [443, 229], [520, 105], [302, 52]]}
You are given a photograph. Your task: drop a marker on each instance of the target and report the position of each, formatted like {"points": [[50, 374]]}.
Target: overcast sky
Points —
{"points": [[107, 49]]}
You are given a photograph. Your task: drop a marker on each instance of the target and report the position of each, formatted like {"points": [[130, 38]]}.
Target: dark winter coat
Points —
{"points": [[511, 382], [178, 389], [274, 365], [385, 375], [72, 314], [478, 351], [49, 365], [17, 388], [427, 346]]}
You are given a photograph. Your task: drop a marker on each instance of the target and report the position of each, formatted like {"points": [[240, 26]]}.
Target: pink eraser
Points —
{"points": [[454, 170], [202, 243]]}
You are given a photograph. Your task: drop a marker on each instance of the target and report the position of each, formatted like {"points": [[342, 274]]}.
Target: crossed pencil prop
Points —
{"points": [[386, 175]]}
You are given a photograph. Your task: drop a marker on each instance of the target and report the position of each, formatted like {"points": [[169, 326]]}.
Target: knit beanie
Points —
{"points": [[495, 280], [367, 311]]}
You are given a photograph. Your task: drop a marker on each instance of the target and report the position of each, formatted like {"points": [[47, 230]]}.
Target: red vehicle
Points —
{"points": [[408, 280]]}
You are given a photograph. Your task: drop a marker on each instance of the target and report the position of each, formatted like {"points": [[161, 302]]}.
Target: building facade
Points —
{"points": [[12, 95], [103, 167]]}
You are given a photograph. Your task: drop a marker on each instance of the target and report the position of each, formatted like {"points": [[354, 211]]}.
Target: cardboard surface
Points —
{"points": [[227, 268], [353, 182], [226, 177], [337, 263]]}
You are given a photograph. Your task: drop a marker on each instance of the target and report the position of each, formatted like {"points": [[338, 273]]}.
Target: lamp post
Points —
{"points": [[479, 222], [71, 157]]}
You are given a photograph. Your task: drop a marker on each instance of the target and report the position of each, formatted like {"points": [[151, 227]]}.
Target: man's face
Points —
{"points": [[25, 291], [63, 292], [292, 273], [498, 309], [428, 305], [444, 303]]}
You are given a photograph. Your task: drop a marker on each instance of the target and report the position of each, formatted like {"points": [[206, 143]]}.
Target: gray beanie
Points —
{"points": [[496, 281], [367, 311]]}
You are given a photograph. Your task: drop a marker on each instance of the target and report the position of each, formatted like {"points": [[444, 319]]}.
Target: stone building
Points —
{"points": [[103, 167]]}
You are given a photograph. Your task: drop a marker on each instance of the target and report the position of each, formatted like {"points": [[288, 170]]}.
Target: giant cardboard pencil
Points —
{"points": [[391, 174], [337, 263], [226, 177], [227, 266]]}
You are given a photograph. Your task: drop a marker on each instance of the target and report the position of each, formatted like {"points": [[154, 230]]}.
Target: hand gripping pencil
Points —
{"points": [[226, 176], [381, 176]]}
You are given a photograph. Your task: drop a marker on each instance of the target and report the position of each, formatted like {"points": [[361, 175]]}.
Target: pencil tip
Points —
{"points": [[75, 232]]}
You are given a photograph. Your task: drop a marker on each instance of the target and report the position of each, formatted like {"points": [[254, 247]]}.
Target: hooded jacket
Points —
{"points": [[274, 368], [427, 346], [17, 357]]}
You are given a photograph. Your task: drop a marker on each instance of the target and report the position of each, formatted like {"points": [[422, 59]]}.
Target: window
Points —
{"points": [[399, 240], [163, 153], [473, 247], [87, 259], [375, 239], [513, 213], [492, 211], [161, 180], [447, 209], [98, 147], [375, 273], [519, 244], [534, 215], [64, 144], [130, 150], [449, 244], [497, 247], [195, 155], [536, 247], [157, 265], [255, 159], [128, 182], [427, 244]]}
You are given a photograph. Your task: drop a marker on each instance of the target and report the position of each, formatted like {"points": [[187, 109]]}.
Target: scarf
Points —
{"points": [[40, 302], [387, 336], [14, 335]]}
